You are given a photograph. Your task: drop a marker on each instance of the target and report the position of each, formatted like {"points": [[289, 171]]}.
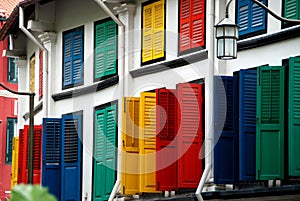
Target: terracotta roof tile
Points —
{"points": [[7, 6]]}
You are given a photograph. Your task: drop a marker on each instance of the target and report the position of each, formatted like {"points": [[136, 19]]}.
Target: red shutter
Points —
{"points": [[190, 134], [192, 24], [197, 23], [41, 75], [22, 156], [37, 154], [166, 146], [185, 43]]}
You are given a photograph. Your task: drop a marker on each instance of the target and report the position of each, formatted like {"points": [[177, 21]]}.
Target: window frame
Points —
{"points": [[192, 49], [10, 64], [77, 29], [96, 23], [142, 34], [254, 33], [9, 146]]}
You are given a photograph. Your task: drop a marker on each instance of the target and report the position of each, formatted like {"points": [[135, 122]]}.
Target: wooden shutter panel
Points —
{"points": [[158, 30], [185, 39], [71, 146], [251, 17], [294, 116], [41, 68], [51, 150], [100, 50], [104, 152], [67, 72], [148, 15], [77, 57], [147, 141], [111, 48], [270, 123], [291, 9], [130, 149], [197, 23], [21, 156], [14, 165]]}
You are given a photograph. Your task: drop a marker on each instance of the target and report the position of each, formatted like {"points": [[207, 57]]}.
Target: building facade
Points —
{"points": [[82, 59]]}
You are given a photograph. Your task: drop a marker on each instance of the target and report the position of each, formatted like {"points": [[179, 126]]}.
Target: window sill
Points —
{"points": [[86, 90], [166, 65], [267, 39]]}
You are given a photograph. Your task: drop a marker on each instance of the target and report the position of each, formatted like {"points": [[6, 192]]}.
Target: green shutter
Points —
{"points": [[291, 9], [105, 49], [294, 116], [270, 123], [104, 153]]}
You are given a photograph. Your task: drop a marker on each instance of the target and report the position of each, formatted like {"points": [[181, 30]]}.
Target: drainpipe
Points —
{"points": [[210, 102], [35, 41], [122, 87]]}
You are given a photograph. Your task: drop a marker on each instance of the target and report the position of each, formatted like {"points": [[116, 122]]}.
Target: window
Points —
{"points": [[12, 71], [32, 75], [105, 58], [251, 18], [153, 25], [291, 10], [41, 68], [73, 58], [191, 25], [11, 130]]}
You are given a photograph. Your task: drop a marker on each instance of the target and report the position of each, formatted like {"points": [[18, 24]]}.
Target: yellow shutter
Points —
{"points": [[158, 30], [147, 33], [32, 75], [14, 165], [147, 142], [130, 146]]}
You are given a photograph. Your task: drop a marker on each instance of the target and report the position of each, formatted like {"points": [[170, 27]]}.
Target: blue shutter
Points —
{"points": [[251, 17], [78, 57], [67, 74], [226, 145], [247, 123], [73, 58], [71, 158], [51, 151]]}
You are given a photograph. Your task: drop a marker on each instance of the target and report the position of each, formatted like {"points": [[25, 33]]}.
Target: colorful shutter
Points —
{"points": [[130, 146], [37, 154], [51, 150], [23, 133], [166, 144], [153, 46], [270, 123], [41, 68], [32, 75], [147, 143], [192, 24], [190, 134], [104, 152], [247, 123], [291, 9], [14, 165], [105, 49], [294, 117], [9, 139], [251, 17], [73, 58], [71, 152], [226, 139]]}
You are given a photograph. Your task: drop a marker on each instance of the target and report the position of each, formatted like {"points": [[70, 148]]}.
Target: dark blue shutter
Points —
{"points": [[251, 17], [71, 158], [226, 145], [73, 58], [247, 123], [51, 151]]}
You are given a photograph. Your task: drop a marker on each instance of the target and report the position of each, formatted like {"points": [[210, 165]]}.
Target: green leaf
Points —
{"points": [[31, 193]]}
